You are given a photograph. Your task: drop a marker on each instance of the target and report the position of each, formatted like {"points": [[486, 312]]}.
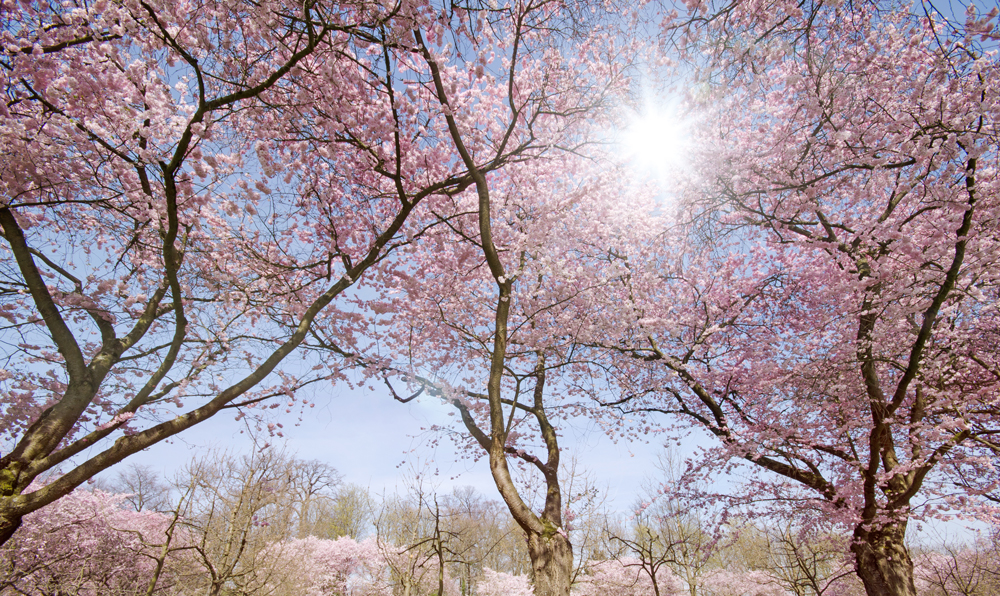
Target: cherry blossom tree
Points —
{"points": [[315, 566], [498, 583], [533, 293], [833, 318], [191, 189], [87, 543], [368, 567], [627, 577], [483, 312], [724, 582]]}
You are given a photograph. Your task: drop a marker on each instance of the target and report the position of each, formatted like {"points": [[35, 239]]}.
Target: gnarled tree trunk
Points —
{"points": [[883, 562], [551, 562]]}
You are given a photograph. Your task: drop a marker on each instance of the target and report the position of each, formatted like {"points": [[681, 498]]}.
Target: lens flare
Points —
{"points": [[655, 140]]}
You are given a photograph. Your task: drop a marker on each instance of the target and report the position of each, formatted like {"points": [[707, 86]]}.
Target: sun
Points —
{"points": [[655, 140]]}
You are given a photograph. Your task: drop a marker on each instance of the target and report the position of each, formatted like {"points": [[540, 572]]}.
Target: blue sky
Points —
{"points": [[373, 441]]}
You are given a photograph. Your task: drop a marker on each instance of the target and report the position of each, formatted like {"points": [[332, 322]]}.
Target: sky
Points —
{"points": [[374, 441]]}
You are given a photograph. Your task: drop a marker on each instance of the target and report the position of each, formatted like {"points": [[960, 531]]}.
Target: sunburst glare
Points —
{"points": [[655, 140]]}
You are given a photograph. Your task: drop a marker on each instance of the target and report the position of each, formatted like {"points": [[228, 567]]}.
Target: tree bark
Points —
{"points": [[8, 525], [551, 562], [883, 562]]}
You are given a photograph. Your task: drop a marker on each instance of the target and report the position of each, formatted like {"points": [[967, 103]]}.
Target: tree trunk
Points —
{"points": [[8, 525], [551, 563], [883, 562]]}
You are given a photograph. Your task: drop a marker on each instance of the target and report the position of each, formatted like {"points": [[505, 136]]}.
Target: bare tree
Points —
{"points": [[241, 509], [807, 561], [668, 530], [962, 569], [482, 535], [311, 483], [145, 489], [347, 513], [406, 538]]}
